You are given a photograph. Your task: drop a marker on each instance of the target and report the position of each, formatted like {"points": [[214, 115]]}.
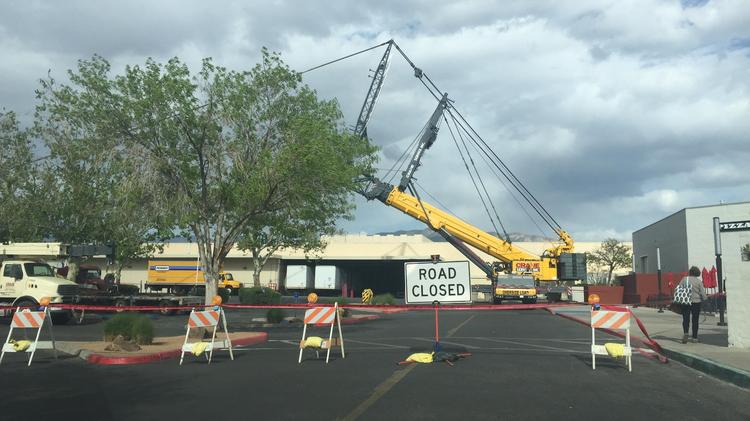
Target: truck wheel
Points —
{"points": [[230, 291], [120, 304], [164, 311], [61, 317]]}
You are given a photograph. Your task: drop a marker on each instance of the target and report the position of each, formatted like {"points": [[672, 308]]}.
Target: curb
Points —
{"points": [[653, 346], [102, 359], [298, 325], [708, 366], [713, 368]]}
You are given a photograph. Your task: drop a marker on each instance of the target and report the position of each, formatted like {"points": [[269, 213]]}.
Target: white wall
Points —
{"points": [[737, 275], [736, 271]]}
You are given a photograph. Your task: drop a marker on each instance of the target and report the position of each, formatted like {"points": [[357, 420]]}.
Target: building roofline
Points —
{"points": [[688, 208]]}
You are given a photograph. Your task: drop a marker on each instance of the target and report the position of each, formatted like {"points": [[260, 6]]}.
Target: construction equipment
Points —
{"points": [[556, 263], [183, 276]]}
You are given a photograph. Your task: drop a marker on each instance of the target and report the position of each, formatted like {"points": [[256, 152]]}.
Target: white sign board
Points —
{"points": [[445, 282]]}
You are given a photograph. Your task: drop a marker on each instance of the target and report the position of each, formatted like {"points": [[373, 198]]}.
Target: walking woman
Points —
{"points": [[697, 295]]}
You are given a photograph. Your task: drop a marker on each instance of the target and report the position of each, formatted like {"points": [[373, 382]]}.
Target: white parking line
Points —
{"points": [[377, 344], [527, 344], [448, 343]]}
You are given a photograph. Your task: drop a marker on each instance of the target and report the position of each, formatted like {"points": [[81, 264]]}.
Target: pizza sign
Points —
{"points": [[735, 226]]}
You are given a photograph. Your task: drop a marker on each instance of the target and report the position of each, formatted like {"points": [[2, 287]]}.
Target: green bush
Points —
{"points": [[384, 299], [275, 315], [224, 294], [131, 326], [259, 296], [143, 331]]}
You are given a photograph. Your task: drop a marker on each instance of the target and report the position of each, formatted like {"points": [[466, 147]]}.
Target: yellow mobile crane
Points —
{"points": [[556, 263]]}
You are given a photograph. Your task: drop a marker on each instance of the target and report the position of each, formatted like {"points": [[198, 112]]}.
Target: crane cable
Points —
{"points": [[504, 169], [471, 132], [507, 237], [346, 57], [513, 180], [474, 182]]}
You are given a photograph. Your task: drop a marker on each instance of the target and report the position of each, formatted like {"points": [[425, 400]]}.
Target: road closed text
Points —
{"points": [[445, 282], [442, 290]]}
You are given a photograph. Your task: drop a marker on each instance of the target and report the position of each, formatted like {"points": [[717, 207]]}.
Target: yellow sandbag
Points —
{"points": [[313, 342], [615, 350], [420, 357], [19, 346], [199, 347]]}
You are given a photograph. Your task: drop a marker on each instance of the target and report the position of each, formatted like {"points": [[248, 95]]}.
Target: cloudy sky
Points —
{"points": [[613, 113]]}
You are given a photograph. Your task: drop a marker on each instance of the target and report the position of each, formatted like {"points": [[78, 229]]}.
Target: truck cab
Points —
{"points": [[227, 282], [89, 276], [26, 282], [515, 287]]}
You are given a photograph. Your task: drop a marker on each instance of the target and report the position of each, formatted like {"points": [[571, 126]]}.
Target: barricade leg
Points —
{"points": [[330, 337], [36, 342], [213, 338], [593, 354], [7, 340], [226, 332], [52, 335], [182, 355], [304, 331], [630, 351], [341, 336]]}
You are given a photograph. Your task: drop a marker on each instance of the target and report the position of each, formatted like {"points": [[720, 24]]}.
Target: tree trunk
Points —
{"points": [[256, 278], [257, 268], [210, 274], [73, 266], [609, 275]]}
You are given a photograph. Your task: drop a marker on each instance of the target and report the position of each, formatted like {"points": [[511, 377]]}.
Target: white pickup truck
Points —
{"points": [[26, 282]]}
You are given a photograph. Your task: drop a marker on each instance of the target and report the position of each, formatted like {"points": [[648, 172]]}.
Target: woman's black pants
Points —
{"points": [[688, 310]]}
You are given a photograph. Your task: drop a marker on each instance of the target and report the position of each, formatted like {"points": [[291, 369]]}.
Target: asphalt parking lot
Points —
{"points": [[524, 365]]}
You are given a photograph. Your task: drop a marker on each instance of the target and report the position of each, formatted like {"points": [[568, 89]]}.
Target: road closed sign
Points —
{"points": [[445, 282]]}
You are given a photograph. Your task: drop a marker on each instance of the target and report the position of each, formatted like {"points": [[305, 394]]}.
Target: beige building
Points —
{"points": [[369, 261]]}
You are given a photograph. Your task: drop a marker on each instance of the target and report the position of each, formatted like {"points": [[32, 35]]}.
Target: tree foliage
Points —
{"points": [[612, 255], [219, 155], [20, 195]]}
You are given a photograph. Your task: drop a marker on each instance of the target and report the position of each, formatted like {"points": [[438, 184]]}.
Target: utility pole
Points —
{"points": [[719, 274], [658, 279]]}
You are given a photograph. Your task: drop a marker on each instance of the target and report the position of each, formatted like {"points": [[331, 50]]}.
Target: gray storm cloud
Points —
{"points": [[614, 115]]}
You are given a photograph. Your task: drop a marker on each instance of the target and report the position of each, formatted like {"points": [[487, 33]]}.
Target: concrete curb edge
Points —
{"points": [[713, 368], [708, 366], [101, 359]]}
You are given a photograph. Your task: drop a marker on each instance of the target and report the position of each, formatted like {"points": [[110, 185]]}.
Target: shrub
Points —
{"points": [[275, 315], [143, 331], [384, 299], [224, 294], [259, 296], [131, 326]]}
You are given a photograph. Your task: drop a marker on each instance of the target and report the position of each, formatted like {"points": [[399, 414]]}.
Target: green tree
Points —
{"points": [[612, 255], [20, 196], [217, 150], [298, 227], [87, 183]]}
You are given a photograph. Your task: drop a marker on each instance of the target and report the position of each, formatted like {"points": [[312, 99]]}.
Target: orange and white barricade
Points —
{"points": [[207, 318], [27, 319], [612, 320], [323, 316]]}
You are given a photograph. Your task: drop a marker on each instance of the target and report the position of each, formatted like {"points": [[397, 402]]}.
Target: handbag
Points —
{"points": [[682, 293]]}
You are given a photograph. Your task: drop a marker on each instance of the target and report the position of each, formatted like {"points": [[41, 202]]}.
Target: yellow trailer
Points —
{"points": [[181, 276]]}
